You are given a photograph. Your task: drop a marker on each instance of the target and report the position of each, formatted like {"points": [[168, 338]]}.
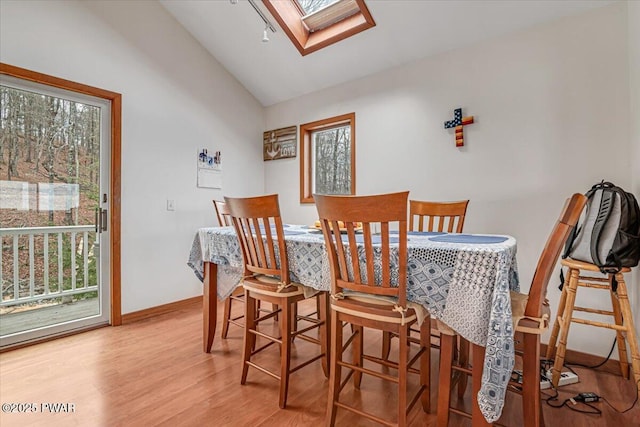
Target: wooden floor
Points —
{"points": [[153, 372]]}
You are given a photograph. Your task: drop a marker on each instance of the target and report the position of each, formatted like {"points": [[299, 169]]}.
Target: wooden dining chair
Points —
{"points": [[222, 213], [266, 278], [433, 216], [224, 219], [437, 216], [531, 314], [368, 290]]}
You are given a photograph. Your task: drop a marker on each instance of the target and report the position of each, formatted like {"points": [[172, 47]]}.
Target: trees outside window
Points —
{"points": [[327, 157], [50, 139]]}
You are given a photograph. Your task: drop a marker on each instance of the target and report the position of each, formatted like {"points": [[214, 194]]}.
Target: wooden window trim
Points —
{"points": [[287, 14], [116, 155], [306, 192]]}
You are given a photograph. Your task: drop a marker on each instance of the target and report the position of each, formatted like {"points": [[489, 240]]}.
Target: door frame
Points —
{"points": [[115, 318]]}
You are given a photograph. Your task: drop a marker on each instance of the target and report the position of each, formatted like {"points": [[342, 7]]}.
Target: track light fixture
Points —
{"points": [[267, 24]]}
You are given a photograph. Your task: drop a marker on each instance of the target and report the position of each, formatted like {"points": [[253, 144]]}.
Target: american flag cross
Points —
{"points": [[458, 122]]}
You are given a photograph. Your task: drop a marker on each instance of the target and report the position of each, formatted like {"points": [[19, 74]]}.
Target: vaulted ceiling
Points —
{"points": [[405, 31]]}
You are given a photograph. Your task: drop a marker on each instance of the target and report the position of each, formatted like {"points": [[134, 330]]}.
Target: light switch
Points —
{"points": [[171, 205]]}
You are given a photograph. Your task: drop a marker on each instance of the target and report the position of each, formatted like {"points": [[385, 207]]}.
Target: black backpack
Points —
{"points": [[609, 234]]}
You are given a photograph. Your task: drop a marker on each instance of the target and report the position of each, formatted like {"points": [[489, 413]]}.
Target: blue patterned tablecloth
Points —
{"points": [[463, 280]]}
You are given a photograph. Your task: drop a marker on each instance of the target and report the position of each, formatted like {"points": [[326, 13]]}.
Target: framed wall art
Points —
{"points": [[280, 143]]}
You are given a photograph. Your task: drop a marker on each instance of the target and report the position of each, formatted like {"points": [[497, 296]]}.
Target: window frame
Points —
{"points": [[306, 152], [289, 17]]}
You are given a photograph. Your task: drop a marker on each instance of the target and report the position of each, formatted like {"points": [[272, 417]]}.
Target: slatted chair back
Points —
{"points": [[435, 216], [551, 252], [529, 321], [354, 264], [259, 228], [222, 213]]}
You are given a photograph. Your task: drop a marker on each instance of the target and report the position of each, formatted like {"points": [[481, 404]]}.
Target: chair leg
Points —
{"points": [[322, 305], [294, 319], [477, 419], [425, 365], [357, 347], [249, 338], [551, 347], [386, 344], [403, 358], [335, 368], [565, 324], [622, 346], [627, 317], [447, 343], [531, 403], [225, 319], [258, 308], [463, 360], [285, 353]]}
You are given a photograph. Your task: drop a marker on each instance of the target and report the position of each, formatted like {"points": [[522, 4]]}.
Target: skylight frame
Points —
{"points": [[288, 14]]}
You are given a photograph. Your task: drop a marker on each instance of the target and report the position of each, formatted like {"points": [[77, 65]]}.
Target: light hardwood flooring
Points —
{"points": [[153, 372]]}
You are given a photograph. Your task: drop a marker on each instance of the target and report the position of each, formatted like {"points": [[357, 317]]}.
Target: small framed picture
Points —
{"points": [[280, 143]]}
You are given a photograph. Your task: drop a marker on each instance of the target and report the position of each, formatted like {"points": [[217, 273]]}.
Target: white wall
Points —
{"points": [[176, 99], [634, 90], [551, 107]]}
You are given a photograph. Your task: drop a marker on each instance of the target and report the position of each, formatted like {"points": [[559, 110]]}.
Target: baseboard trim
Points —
{"points": [[572, 356], [161, 309]]}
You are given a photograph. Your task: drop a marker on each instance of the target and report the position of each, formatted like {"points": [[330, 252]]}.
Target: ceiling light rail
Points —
{"points": [[267, 24]]}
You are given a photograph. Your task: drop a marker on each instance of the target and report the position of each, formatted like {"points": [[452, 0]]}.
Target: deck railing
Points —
{"points": [[43, 263]]}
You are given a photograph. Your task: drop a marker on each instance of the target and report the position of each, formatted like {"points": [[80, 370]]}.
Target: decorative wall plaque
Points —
{"points": [[280, 143], [458, 122]]}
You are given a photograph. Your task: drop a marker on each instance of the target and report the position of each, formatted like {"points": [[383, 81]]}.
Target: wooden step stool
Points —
{"points": [[621, 313]]}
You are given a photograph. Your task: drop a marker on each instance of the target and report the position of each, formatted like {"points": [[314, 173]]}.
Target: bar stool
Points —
{"points": [[621, 312]]}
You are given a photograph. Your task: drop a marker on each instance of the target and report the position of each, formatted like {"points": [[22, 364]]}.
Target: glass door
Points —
{"points": [[54, 206]]}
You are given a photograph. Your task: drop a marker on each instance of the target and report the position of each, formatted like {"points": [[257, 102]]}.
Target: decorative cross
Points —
{"points": [[457, 122]]}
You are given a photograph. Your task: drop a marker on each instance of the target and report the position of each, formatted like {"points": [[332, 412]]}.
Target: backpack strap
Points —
{"points": [[576, 230], [614, 283], [606, 206], [568, 246]]}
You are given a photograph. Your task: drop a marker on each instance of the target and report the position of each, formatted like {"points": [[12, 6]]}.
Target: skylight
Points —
{"points": [[314, 24], [310, 6], [332, 12]]}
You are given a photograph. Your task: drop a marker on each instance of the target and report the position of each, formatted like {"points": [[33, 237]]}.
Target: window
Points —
{"points": [[328, 157], [314, 24]]}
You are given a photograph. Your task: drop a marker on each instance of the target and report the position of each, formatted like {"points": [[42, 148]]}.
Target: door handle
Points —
{"points": [[97, 211], [103, 220]]}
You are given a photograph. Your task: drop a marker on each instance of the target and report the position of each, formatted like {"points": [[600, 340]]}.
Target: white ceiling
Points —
{"points": [[406, 30]]}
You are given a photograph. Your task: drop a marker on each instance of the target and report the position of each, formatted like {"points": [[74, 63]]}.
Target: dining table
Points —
{"points": [[463, 280]]}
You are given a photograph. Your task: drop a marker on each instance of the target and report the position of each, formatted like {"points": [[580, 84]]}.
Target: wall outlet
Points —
{"points": [[171, 205]]}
